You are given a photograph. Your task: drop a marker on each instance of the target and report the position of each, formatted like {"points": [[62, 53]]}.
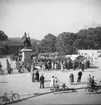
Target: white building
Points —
{"points": [[89, 53]]}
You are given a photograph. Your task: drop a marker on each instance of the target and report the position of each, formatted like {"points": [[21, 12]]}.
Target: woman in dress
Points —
{"points": [[52, 83]]}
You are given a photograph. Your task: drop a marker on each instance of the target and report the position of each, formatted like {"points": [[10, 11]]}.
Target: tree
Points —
{"points": [[48, 44], [65, 43], [6, 48], [90, 37], [3, 36], [69, 43]]}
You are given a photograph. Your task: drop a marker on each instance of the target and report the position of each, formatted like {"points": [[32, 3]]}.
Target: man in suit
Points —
{"points": [[79, 76], [42, 81]]}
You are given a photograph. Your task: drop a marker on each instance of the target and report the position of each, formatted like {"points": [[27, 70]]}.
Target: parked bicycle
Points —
{"points": [[7, 98], [1, 72], [10, 70]]}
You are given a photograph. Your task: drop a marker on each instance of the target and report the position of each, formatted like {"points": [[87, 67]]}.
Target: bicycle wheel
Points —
{"points": [[53, 90], [15, 97], [22, 70], [98, 89], [88, 90], [1, 72], [2, 100]]}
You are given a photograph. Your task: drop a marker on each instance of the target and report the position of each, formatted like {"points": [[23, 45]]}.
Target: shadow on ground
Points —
{"points": [[70, 90], [84, 82], [93, 67], [34, 95], [89, 70], [4, 82]]}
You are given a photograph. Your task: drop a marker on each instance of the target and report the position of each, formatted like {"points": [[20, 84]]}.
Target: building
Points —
{"points": [[89, 53]]}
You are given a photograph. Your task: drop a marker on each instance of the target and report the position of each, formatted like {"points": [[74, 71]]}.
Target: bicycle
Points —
{"points": [[1, 72], [20, 69], [7, 99], [58, 88], [96, 89], [55, 89], [10, 70], [64, 87]]}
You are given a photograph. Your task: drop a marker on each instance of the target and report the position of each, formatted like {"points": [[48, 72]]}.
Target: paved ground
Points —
{"points": [[31, 94]]}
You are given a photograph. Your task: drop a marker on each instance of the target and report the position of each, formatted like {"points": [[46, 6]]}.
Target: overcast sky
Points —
{"points": [[40, 17]]}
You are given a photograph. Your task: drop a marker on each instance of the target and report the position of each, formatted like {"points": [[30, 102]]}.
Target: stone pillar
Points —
{"points": [[26, 56]]}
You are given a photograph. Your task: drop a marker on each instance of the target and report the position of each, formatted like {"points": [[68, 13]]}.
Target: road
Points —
{"points": [[21, 83], [77, 97]]}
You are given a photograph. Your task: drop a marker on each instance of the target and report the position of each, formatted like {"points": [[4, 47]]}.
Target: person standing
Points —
{"points": [[9, 69], [79, 76], [71, 78], [52, 83], [37, 76], [1, 71], [74, 65], [42, 81], [56, 82], [32, 72], [89, 81], [61, 66], [0, 66], [52, 65], [55, 66], [82, 66], [33, 78]]}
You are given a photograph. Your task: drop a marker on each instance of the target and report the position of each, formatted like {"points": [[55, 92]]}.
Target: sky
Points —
{"points": [[40, 17]]}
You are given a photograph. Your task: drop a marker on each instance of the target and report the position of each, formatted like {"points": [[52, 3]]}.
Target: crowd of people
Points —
{"points": [[90, 81], [65, 64], [54, 82], [49, 64], [36, 76], [19, 66]]}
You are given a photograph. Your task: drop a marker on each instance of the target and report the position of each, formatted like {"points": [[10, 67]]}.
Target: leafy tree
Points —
{"points": [[6, 48], [64, 43], [69, 43], [48, 44], [90, 38], [3, 36]]}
